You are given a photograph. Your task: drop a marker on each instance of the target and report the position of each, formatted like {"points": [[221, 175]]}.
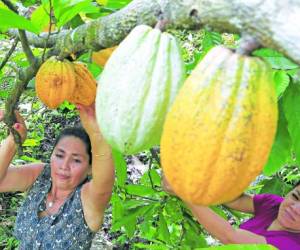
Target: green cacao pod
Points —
{"points": [[137, 86], [55, 82], [220, 129]]}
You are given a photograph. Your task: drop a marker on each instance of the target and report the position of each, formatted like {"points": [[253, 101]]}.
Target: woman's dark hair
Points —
{"points": [[79, 133], [296, 185]]}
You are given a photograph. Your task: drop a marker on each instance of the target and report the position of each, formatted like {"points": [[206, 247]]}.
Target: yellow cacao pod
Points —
{"points": [[100, 57], [55, 82], [86, 86], [220, 129]]}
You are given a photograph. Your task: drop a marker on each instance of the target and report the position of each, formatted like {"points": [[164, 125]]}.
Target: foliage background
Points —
{"points": [[143, 216]]}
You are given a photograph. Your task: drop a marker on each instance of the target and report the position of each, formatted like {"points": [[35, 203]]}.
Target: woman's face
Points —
{"points": [[69, 163], [289, 210]]}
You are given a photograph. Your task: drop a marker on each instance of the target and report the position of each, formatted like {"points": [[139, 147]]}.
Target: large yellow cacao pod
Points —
{"points": [[55, 82], [220, 129], [86, 86], [100, 57]]}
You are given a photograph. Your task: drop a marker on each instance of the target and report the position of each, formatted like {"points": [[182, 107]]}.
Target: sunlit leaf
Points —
{"points": [[276, 59], [291, 107], [9, 19], [281, 148], [282, 80]]}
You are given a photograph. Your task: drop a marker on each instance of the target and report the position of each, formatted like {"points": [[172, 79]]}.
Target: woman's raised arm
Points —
{"points": [[15, 178]]}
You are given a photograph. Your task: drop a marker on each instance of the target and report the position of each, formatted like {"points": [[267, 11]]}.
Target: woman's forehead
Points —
{"points": [[71, 143]]}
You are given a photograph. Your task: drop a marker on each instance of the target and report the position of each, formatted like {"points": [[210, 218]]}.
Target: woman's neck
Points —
{"points": [[276, 226], [58, 194]]}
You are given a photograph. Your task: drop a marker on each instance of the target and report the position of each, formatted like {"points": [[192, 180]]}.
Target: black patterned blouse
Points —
{"points": [[66, 229]]}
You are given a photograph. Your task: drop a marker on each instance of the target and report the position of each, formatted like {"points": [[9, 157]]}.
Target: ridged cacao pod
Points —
{"points": [[220, 129], [100, 57], [86, 86], [55, 82], [138, 85]]}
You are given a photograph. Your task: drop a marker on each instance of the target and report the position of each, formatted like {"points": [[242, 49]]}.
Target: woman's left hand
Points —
{"points": [[88, 118]]}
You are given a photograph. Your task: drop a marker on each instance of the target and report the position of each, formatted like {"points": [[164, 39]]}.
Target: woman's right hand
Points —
{"points": [[19, 126]]}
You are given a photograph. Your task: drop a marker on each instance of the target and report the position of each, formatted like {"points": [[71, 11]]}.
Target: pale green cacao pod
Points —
{"points": [[137, 87]]}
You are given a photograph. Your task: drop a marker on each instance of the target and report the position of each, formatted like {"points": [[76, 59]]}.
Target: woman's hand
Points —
{"points": [[88, 118], [19, 126]]}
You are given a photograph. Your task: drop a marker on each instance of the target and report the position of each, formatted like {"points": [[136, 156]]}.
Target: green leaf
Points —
{"points": [[139, 190], [282, 80], [276, 59], [273, 186], [291, 108], [241, 247], [192, 238], [211, 39], [9, 19], [117, 4], [69, 9], [281, 148], [151, 246], [29, 159], [31, 143], [219, 211], [121, 168], [117, 208], [40, 18], [163, 231]]}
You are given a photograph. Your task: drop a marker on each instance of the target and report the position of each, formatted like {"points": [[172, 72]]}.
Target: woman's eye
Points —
{"points": [[77, 161], [295, 196], [59, 155]]}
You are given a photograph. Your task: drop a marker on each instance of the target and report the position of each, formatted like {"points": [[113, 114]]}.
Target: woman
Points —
{"points": [[276, 220], [63, 208]]}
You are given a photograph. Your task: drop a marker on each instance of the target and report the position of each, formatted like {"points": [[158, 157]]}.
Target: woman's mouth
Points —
{"points": [[62, 176]]}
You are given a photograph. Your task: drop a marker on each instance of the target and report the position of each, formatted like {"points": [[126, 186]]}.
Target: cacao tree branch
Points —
{"points": [[9, 53], [25, 45], [272, 23], [23, 77]]}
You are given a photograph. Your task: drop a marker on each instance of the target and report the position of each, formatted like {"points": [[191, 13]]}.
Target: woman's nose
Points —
{"points": [[65, 164]]}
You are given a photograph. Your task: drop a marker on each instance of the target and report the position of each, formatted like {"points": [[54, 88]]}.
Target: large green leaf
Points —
{"points": [[140, 190], [273, 186], [121, 168], [9, 19], [282, 80], [276, 59], [163, 231], [117, 4], [291, 108], [281, 149], [40, 18], [66, 10]]}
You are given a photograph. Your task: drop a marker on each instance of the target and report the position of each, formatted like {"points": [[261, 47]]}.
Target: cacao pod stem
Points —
{"points": [[247, 45]]}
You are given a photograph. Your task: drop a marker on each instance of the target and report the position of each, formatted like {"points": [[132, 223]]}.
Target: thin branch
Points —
{"points": [[10, 5], [25, 45], [9, 53], [49, 31]]}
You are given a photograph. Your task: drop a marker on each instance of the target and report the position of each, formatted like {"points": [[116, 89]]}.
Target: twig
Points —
{"points": [[49, 31], [9, 53]]}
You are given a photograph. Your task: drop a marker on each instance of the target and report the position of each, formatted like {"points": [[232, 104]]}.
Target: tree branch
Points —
{"points": [[9, 53], [272, 23]]}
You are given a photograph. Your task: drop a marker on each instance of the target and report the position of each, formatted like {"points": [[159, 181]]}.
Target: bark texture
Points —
{"points": [[272, 23]]}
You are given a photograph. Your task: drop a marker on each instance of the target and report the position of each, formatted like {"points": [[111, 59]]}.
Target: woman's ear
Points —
{"points": [[89, 173]]}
